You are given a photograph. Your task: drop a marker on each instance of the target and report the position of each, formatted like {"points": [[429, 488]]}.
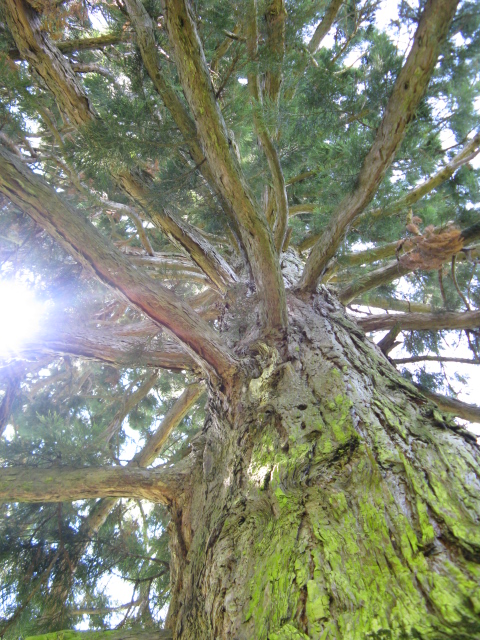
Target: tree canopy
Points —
{"points": [[169, 173]]}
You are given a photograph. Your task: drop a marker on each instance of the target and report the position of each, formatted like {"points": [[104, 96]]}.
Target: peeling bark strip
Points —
{"points": [[60, 484], [82, 241], [254, 229], [36, 47], [406, 95]]}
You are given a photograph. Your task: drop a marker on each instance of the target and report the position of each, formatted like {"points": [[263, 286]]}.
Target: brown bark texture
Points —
{"points": [[319, 504]]}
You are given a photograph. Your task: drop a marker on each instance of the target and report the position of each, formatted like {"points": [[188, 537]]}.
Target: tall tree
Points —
{"points": [[209, 196]]}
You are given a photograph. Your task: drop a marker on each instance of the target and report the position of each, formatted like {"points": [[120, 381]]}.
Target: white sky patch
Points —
{"points": [[98, 21], [20, 316]]}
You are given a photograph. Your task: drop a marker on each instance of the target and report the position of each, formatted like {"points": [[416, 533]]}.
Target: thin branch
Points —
{"points": [[408, 90], [135, 218], [129, 403], [273, 10], [10, 395], [93, 68], [80, 44], [393, 304], [179, 231], [172, 419], [469, 151], [223, 47], [275, 17], [413, 359], [324, 26]]}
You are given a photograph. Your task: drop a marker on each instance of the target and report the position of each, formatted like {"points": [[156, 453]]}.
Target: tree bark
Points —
{"points": [[321, 503]]}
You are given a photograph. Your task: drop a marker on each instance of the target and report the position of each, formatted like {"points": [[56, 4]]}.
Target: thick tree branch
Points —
{"points": [[64, 484], [408, 90], [36, 48], [392, 271], [256, 236], [298, 209], [109, 347], [82, 240], [406, 262], [422, 321], [451, 405]]}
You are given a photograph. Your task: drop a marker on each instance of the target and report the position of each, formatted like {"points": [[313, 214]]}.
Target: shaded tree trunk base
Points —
{"points": [[329, 500]]}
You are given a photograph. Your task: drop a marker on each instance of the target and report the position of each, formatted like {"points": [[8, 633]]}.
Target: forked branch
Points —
{"points": [[199, 92]]}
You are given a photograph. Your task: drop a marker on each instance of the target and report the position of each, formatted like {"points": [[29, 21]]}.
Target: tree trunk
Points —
{"points": [[329, 500]]}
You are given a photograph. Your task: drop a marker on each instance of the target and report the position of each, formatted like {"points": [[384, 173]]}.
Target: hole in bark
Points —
{"points": [[406, 85], [302, 407], [266, 481], [303, 425]]}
